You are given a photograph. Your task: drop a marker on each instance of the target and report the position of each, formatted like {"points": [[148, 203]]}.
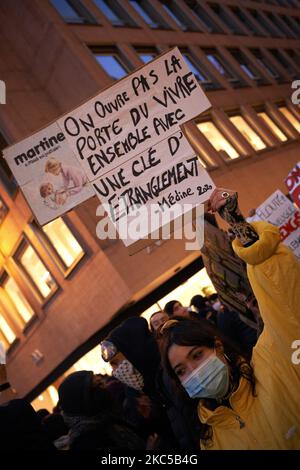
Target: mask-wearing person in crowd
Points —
{"points": [[90, 413], [132, 352], [175, 308], [157, 319], [243, 405]]}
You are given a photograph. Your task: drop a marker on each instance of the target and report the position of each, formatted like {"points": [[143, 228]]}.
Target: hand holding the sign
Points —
{"points": [[219, 198], [225, 202]]}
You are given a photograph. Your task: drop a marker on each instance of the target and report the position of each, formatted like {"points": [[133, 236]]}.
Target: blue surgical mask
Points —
{"points": [[208, 380]]}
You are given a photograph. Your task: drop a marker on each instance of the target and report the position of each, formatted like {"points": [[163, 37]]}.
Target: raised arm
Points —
{"points": [[225, 202]]}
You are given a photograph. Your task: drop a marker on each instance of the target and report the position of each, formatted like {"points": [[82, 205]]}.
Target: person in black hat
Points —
{"points": [[132, 351], [90, 414]]}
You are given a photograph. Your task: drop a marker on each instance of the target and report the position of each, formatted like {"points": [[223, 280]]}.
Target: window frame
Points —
{"points": [[224, 156], [236, 81], [120, 12], [3, 278], [24, 242], [50, 248], [82, 12], [157, 21], [237, 113], [112, 52], [262, 109], [211, 83]]}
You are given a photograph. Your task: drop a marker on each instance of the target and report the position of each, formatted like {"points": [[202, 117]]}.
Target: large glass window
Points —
{"points": [[283, 30], [201, 75], [73, 11], [22, 307], [144, 9], [177, 15], [231, 24], [261, 59], [273, 127], [217, 140], [250, 25], [257, 16], [246, 65], [204, 17], [221, 65], [146, 54], [34, 267], [290, 69], [7, 336], [113, 11], [290, 117], [64, 242], [291, 24], [250, 135], [112, 64]]}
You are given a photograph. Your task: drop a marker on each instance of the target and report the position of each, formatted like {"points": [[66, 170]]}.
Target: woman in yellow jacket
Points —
{"points": [[244, 405]]}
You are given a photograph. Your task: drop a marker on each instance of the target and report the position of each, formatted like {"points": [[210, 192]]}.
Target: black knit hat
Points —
{"points": [[74, 393], [134, 339]]}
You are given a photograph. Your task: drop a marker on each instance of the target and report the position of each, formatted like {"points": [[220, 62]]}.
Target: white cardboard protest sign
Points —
{"points": [[125, 141], [136, 113], [128, 140], [280, 211], [48, 173], [292, 182]]}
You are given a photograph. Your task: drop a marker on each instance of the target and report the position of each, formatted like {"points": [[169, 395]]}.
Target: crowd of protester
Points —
{"points": [[196, 377]]}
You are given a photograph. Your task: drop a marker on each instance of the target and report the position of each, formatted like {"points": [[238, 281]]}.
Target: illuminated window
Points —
{"points": [[254, 140], [273, 127], [217, 140], [64, 242], [290, 117], [23, 309], [36, 270], [7, 336], [3, 210]]}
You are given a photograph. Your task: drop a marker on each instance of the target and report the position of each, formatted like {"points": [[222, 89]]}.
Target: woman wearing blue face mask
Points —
{"points": [[245, 405], [208, 366]]}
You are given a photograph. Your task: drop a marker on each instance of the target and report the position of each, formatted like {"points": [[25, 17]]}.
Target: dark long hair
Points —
{"points": [[186, 332]]}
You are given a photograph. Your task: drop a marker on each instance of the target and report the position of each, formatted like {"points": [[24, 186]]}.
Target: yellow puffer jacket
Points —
{"points": [[271, 420]]}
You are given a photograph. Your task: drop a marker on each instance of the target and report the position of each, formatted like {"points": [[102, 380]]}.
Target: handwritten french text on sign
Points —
{"points": [[165, 179], [279, 211], [293, 184], [52, 180], [134, 114]]}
